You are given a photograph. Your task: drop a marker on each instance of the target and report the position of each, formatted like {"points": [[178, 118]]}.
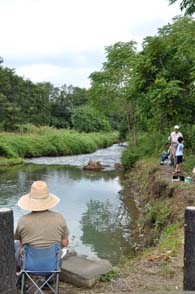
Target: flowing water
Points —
{"points": [[96, 207]]}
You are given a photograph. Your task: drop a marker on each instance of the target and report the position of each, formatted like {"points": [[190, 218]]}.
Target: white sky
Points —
{"points": [[63, 41]]}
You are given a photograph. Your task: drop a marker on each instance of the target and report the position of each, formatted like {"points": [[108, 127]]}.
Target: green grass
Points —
{"points": [[47, 141], [10, 161], [171, 238]]}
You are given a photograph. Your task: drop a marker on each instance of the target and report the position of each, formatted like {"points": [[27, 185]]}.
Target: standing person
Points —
{"points": [[173, 138], [41, 227], [179, 155]]}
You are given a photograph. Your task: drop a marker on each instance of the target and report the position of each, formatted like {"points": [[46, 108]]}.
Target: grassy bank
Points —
{"points": [[45, 141], [161, 202], [159, 233]]}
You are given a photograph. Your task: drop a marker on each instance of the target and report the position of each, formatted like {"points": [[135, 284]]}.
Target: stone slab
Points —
{"points": [[82, 271]]}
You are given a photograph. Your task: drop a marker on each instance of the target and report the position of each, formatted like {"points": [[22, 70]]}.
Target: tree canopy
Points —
{"points": [[146, 90], [186, 5], [154, 87]]}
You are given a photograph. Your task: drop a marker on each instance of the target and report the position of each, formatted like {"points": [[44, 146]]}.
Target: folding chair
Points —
{"points": [[41, 266]]}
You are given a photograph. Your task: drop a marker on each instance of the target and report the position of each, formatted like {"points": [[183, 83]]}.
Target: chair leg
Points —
{"points": [[23, 286], [57, 283]]}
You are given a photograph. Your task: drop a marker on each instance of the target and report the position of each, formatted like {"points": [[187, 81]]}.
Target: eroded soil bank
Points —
{"points": [[158, 266]]}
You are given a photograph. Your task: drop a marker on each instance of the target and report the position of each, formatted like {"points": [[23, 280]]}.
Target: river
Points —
{"points": [[95, 205]]}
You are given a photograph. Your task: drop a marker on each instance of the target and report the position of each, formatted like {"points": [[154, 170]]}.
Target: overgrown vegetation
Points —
{"points": [[51, 142], [156, 218], [148, 145]]}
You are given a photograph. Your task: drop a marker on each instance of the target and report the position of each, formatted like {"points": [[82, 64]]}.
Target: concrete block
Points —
{"points": [[82, 271]]}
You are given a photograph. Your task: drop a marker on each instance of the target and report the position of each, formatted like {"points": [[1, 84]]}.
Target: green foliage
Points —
{"points": [[129, 157], [10, 161], [6, 151], [109, 276], [171, 237], [157, 216], [148, 145], [110, 91], [187, 5], [22, 101], [87, 119], [49, 141], [165, 85], [64, 101], [188, 132], [149, 90]]}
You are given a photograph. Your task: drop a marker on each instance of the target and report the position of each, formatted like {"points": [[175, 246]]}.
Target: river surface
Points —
{"points": [[96, 205]]}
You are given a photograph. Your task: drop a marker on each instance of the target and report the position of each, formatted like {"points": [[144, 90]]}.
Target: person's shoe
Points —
{"points": [[18, 280]]}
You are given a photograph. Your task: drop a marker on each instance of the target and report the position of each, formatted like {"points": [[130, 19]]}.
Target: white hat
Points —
{"points": [[39, 198], [176, 127]]}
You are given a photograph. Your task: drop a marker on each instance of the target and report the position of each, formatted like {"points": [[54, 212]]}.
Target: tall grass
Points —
{"points": [[149, 145], [45, 141]]}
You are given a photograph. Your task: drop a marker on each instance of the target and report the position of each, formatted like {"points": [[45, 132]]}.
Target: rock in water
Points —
{"points": [[93, 165]]}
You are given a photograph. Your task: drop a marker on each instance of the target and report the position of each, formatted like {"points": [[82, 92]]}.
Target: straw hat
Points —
{"points": [[39, 198]]}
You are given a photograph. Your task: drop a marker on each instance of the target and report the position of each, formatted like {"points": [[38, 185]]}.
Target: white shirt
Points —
{"points": [[179, 150], [174, 137]]}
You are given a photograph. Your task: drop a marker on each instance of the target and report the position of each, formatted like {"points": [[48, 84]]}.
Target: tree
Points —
{"points": [[87, 119], [63, 103], [164, 76], [109, 86], [187, 5]]}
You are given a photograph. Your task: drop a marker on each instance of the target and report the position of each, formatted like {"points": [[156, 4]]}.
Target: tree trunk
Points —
{"points": [[131, 121], [189, 249], [7, 253]]}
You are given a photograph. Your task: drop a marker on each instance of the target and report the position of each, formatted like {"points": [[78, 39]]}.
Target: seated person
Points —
{"points": [[165, 154], [41, 227]]}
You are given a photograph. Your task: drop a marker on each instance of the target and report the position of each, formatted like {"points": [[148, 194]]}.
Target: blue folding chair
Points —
{"points": [[41, 269]]}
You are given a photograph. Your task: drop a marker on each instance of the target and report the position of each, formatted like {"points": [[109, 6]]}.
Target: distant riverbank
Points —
{"points": [[46, 141]]}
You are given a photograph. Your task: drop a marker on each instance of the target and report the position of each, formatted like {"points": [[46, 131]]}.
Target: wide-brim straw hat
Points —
{"points": [[39, 198]]}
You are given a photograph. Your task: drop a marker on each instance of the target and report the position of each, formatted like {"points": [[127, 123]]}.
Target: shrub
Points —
{"points": [[129, 157], [148, 145]]}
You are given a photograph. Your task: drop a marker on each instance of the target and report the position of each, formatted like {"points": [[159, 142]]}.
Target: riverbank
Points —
{"points": [[45, 141], [159, 262]]}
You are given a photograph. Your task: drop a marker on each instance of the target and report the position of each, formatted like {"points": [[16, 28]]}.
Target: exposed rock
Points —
{"points": [[118, 166], [93, 165]]}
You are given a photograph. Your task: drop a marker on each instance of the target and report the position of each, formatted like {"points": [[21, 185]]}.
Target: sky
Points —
{"points": [[63, 41]]}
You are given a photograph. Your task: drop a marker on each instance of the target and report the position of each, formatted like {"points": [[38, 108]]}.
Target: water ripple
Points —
{"points": [[107, 156]]}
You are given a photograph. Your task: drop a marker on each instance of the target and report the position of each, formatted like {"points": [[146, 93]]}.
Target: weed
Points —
{"points": [[110, 275]]}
